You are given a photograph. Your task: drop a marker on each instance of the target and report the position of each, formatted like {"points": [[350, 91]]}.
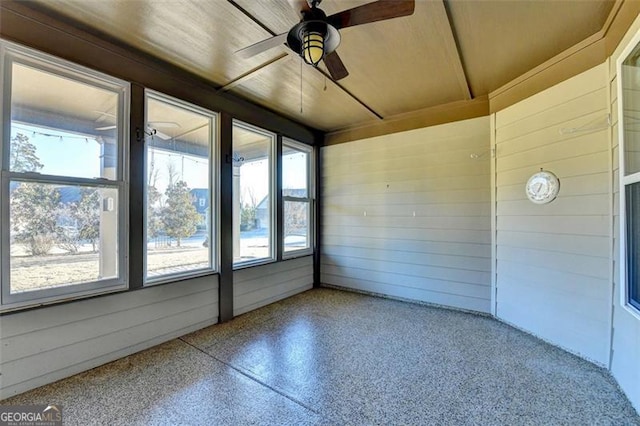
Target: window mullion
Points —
{"points": [[296, 199], [62, 180], [280, 199]]}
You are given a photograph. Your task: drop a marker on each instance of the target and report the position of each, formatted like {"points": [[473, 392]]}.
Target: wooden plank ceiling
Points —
{"points": [[447, 51]]}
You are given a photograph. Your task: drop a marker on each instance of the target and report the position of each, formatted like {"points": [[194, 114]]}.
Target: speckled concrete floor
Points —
{"points": [[337, 358]]}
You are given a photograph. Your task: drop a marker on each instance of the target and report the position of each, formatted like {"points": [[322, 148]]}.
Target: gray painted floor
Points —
{"points": [[338, 358]]}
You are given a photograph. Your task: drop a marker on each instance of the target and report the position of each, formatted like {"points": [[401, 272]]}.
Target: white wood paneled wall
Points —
{"points": [[625, 351], [553, 261], [408, 215], [261, 285], [44, 345]]}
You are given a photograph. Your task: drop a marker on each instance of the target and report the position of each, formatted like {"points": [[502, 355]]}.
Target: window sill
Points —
{"points": [[632, 310], [251, 264], [60, 300], [166, 279], [296, 254]]}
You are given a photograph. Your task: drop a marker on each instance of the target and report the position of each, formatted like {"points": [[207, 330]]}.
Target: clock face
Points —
{"points": [[543, 187]]}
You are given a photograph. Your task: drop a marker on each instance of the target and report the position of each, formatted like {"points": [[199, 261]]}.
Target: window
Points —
{"points": [[253, 201], [629, 117], [63, 185], [179, 196], [297, 196]]}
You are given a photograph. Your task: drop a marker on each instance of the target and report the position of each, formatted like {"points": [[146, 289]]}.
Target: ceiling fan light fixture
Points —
{"points": [[313, 38], [312, 47]]}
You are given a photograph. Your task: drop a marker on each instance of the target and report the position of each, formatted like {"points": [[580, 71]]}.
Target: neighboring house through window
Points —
{"points": [[297, 193], [253, 200]]}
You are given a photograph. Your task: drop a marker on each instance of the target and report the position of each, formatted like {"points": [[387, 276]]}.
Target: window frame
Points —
{"points": [[11, 53], [309, 199], [214, 248], [633, 307], [273, 231]]}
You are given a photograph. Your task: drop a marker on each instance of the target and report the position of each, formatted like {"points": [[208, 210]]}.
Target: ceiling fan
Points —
{"points": [[151, 125], [316, 36]]}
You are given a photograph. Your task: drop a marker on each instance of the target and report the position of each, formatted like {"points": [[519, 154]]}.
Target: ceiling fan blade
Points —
{"points": [[372, 12], [105, 128], [262, 46], [335, 66], [104, 113], [165, 124], [155, 132], [299, 6]]}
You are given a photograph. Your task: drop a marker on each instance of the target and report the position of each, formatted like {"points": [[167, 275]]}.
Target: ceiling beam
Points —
{"points": [[246, 13], [578, 58], [588, 53], [31, 116], [247, 75], [354, 97], [622, 16], [27, 116], [432, 116], [448, 33], [251, 73]]}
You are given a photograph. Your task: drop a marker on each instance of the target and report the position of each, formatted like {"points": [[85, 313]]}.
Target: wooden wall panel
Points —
{"points": [[408, 215], [48, 344], [261, 285], [553, 260]]}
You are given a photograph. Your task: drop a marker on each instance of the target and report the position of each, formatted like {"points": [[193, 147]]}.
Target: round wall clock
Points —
{"points": [[542, 187]]}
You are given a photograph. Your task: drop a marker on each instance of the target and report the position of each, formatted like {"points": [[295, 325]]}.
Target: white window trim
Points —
{"points": [[310, 199], [10, 53], [624, 181], [213, 201], [272, 199]]}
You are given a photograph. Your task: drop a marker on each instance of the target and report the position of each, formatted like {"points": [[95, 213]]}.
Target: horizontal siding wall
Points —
{"points": [[44, 345], [408, 215], [261, 285], [553, 261], [625, 362]]}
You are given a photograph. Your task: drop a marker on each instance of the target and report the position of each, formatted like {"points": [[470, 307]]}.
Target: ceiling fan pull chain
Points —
{"points": [[324, 89], [301, 85]]}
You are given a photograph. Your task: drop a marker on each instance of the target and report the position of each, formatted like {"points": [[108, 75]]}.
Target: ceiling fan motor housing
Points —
{"points": [[314, 21]]}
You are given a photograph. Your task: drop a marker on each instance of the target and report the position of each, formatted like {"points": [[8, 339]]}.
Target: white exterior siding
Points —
{"points": [[408, 215], [44, 345], [261, 285], [553, 261]]}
